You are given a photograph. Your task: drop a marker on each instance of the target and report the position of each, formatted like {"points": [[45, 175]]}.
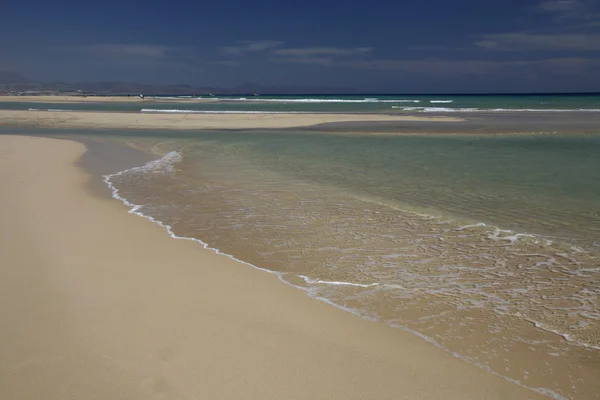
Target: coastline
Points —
{"points": [[85, 119], [533, 123], [108, 306], [99, 99]]}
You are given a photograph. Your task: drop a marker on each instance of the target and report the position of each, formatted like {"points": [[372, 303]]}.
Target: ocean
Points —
{"points": [[371, 103], [486, 245]]}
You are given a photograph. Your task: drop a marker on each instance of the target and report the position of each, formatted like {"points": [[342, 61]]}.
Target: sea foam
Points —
{"points": [[316, 100], [49, 109], [167, 164], [162, 165], [498, 110]]}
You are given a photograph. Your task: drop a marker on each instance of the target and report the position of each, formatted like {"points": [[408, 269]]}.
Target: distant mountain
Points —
{"points": [[256, 88], [182, 89], [140, 88], [17, 83], [8, 77]]}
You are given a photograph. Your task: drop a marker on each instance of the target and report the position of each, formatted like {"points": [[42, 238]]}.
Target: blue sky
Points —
{"points": [[396, 46]]}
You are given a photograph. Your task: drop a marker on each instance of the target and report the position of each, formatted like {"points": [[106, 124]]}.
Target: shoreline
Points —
{"points": [[100, 99], [321, 123], [155, 317], [133, 209], [87, 119]]}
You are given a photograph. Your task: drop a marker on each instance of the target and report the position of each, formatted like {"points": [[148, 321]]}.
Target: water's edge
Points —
{"points": [[175, 156]]}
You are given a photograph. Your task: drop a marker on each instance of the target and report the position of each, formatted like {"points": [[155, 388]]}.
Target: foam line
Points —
{"points": [[336, 283], [307, 100], [446, 109], [166, 163]]}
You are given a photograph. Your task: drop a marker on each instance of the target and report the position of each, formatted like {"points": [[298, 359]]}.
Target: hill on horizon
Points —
{"points": [[17, 82]]}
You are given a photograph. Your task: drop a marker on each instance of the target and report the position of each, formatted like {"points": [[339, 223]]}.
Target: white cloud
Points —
{"points": [[560, 6], [325, 56], [325, 61], [146, 56], [323, 51], [224, 63], [440, 67], [568, 11], [245, 46], [529, 41], [126, 51]]}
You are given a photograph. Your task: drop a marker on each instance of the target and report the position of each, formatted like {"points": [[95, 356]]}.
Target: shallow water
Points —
{"points": [[444, 103], [486, 246]]}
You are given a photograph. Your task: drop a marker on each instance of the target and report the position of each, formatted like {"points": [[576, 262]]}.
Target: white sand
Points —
{"points": [[96, 303], [67, 119]]}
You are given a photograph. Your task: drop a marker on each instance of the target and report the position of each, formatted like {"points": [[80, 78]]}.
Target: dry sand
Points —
{"points": [[76, 119], [96, 303]]}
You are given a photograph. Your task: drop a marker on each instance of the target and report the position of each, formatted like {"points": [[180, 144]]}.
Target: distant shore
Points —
{"points": [[75, 119], [100, 99]]}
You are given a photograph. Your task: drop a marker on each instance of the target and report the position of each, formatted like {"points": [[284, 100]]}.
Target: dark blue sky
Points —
{"points": [[398, 46]]}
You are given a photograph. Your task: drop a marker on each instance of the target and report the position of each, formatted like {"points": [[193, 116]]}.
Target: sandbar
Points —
{"points": [[76, 119]]}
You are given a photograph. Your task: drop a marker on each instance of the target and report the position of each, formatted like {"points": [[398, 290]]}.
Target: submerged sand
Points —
{"points": [[76, 119], [96, 303]]}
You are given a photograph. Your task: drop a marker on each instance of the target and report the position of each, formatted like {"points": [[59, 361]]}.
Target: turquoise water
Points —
{"points": [[338, 103], [487, 246], [552, 183]]}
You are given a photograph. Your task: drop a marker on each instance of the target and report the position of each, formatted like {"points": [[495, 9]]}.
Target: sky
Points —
{"points": [[426, 46]]}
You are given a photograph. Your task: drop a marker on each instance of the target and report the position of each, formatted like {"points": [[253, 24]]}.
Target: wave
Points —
{"points": [[446, 109], [169, 97], [163, 164], [565, 336], [313, 100], [402, 108], [167, 163], [441, 101], [438, 109], [48, 109], [338, 283]]}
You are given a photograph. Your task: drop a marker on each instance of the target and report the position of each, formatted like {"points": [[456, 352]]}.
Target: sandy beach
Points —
{"points": [[73, 119], [97, 303]]}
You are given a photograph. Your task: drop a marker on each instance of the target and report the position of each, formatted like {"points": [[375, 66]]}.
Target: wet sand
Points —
{"points": [[337, 222], [97, 303], [475, 123], [74, 119]]}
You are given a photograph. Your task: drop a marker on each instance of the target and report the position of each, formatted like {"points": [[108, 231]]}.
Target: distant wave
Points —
{"points": [[313, 100], [169, 97], [49, 109], [441, 101], [446, 109]]}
